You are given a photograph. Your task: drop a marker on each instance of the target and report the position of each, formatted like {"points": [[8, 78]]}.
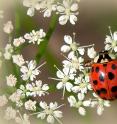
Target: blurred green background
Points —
{"points": [[92, 27]]}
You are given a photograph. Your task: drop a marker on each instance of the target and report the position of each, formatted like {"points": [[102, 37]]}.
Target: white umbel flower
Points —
{"points": [[37, 89], [30, 105], [111, 42], [64, 78], [30, 71], [10, 113], [3, 100], [74, 64], [11, 80], [35, 37], [100, 103], [80, 103], [50, 111], [91, 53], [18, 60], [68, 11], [18, 41], [48, 7], [16, 97], [8, 52], [32, 5], [82, 84], [8, 27]]}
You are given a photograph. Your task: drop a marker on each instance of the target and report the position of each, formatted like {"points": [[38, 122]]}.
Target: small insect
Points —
{"points": [[103, 76]]}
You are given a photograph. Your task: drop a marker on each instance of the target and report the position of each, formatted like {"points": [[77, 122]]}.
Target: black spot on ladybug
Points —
{"points": [[105, 65], [97, 69], [114, 66], [101, 77], [114, 89], [98, 92], [92, 69], [111, 75], [95, 82], [103, 90]]}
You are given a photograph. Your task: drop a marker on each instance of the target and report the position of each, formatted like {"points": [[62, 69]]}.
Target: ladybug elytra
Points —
{"points": [[103, 76]]}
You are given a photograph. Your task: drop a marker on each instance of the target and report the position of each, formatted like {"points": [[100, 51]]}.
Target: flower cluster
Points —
{"points": [[24, 86], [67, 9], [74, 77]]}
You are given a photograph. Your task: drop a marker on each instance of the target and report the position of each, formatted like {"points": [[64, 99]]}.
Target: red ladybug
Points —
{"points": [[103, 76]]}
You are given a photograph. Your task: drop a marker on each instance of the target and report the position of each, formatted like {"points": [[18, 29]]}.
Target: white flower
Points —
{"points": [[111, 42], [74, 64], [16, 97], [72, 46], [29, 72], [35, 37], [32, 4], [30, 105], [18, 41], [10, 113], [1, 14], [50, 111], [91, 52], [80, 103], [37, 88], [100, 103], [69, 11], [11, 80], [48, 7], [82, 84], [8, 52], [3, 100], [64, 78], [18, 59], [22, 120], [8, 27]]}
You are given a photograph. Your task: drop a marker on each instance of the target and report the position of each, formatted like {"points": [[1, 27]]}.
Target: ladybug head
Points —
{"points": [[103, 57]]}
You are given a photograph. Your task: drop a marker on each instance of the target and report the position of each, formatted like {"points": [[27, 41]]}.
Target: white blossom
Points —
{"points": [[91, 52], [72, 47], [111, 42], [80, 103], [48, 7], [100, 103], [18, 41], [30, 105], [8, 27], [82, 84], [3, 100], [30, 71], [32, 5], [50, 111], [37, 89], [11, 80], [8, 52], [18, 59], [35, 37], [10, 113], [16, 97], [74, 64], [68, 11], [64, 80]]}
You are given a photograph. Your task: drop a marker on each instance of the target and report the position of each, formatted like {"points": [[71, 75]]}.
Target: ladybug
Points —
{"points": [[103, 76]]}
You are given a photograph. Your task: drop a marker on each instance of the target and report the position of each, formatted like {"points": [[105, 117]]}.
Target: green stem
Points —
{"points": [[43, 46]]}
